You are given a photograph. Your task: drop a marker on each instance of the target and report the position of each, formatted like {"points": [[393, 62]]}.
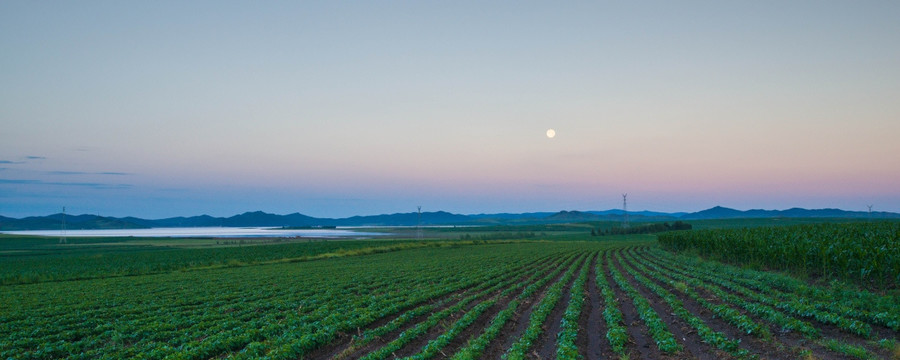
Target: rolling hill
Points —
{"points": [[263, 219]]}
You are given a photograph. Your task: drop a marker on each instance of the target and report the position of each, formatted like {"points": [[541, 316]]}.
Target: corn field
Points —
{"points": [[867, 254]]}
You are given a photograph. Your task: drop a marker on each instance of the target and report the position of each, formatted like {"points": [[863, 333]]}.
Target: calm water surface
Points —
{"points": [[205, 232]]}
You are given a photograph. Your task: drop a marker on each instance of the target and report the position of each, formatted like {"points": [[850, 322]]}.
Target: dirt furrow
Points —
{"points": [[386, 338], [641, 345], [476, 328], [415, 346], [342, 344], [545, 346], [683, 332], [790, 342], [516, 326], [482, 322], [591, 324], [765, 349]]}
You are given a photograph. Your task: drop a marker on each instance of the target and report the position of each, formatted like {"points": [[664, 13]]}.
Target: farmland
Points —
{"points": [[864, 253], [542, 297]]}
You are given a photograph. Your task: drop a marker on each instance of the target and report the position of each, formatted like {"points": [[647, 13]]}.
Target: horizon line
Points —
{"points": [[465, 214]]}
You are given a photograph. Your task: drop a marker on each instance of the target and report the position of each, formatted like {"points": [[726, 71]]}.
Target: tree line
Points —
{"points": [[642, 229]]}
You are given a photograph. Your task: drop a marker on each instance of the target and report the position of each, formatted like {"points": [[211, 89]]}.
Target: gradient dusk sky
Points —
{"points": [[334, 108]]}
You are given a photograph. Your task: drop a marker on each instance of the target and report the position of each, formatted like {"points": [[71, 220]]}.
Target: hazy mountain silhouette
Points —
{"points": [[73, 222], [263, 219], [719, 212]]}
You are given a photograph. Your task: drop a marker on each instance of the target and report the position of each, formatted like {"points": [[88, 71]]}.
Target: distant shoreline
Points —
{"points": [[202, 232]]}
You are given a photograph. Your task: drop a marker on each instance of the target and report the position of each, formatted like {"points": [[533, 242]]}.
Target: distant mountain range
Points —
{"points": [[719, 212], [262, 219]]}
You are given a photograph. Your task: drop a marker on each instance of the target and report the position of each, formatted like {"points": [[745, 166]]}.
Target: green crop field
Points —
{"points": [[542, 293], [865, 253]]}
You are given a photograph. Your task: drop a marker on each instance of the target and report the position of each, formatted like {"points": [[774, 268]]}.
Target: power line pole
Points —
{"points": [[62, 239], [419, 224]]}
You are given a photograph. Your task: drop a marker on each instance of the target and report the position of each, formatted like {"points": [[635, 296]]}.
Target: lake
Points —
{"points": [[219, 232]]}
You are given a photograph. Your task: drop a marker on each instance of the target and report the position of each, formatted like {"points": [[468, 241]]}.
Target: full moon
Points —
{"points": [[551, 133]]}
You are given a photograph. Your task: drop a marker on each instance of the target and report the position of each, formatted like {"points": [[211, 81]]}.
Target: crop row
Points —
{"points": [[797, 306], [371, 334], [566, 348], [855, 304], [476, 345], [658, 329], [503, 288], [767, 313], [616, 333], [520, 348], [708, 335]]}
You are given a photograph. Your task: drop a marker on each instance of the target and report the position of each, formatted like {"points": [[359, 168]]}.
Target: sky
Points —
{"points": [[339, 108]]}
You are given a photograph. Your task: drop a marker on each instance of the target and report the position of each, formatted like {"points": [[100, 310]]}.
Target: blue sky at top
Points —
{"points": [[169, 108]]}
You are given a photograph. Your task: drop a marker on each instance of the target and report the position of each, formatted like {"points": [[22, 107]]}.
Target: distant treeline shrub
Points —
{"points": [[499, 236], [642, 229]]}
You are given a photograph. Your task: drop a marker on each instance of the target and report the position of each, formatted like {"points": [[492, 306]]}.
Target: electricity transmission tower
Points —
{"points": [[870, 212], [625, 211]]}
